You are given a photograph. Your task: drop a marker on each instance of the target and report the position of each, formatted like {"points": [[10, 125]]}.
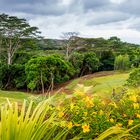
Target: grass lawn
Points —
{"points": [[13, 96], [102, 85]]}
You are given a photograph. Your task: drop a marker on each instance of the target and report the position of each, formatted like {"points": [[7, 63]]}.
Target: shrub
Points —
{"points": [[91, 63], [12, 76], [89, 116], [44, 71], [134, 78]]}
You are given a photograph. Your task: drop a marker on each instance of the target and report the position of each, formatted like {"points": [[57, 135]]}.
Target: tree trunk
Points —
{"points": [[42, 83], [9, 51], [9, 58], [52, 82], [67, 52]]}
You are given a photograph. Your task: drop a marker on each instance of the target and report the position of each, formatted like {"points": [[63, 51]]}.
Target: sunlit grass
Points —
{"points": [[101, 85], [13, 96]]}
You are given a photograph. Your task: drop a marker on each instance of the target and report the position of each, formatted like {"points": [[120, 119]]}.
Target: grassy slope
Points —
{"points": [[13, 96], [102, 85]]}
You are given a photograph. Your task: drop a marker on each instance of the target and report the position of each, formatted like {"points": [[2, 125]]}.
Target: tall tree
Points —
{"points": [[12, 31], [70, 40]]}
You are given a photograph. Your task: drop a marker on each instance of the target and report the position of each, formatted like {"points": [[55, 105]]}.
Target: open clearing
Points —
{"points": [[13, 96], [102, 84]]}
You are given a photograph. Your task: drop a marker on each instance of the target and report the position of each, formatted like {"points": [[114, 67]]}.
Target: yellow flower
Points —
{"points": [[88, 101], [69, 125], [111, 120], [85, 113], [133, 98], [130, 122], [85, 128], [124, 115], [94, 113], [101, 112], [113, 104], [119, 124], [138, 116], [103, 103], [58, 108], [71, 106], [77, 124], [60, 114], [62, 123], [136, 105]]}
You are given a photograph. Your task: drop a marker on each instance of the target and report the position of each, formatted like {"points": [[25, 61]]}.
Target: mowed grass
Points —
{"points": [[102, 85], [13, 96]]}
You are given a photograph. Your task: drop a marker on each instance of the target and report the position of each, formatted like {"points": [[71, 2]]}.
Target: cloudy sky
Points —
{"points": [[91, 18]]}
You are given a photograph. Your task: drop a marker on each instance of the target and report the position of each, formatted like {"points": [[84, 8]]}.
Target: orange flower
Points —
{"points": [[85, 128]]}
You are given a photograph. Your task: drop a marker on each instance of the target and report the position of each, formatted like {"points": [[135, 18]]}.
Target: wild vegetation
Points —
{"points": [[100, 78]]}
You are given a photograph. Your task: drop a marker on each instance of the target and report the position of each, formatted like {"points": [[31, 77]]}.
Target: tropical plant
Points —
{"points": [[29, 123]]}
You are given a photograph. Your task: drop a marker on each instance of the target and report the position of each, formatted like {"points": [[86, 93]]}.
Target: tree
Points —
{"points": [[70, 39], [44, 71], [12, 31], [77, 61], [114, 42], [122, 62], [107, 60]]}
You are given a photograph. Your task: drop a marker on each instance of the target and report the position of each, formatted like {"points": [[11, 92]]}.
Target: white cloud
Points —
{"points": [[117, 1], [92, 18]]}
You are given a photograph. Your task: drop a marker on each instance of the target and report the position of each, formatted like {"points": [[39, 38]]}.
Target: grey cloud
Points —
{"points": [[108, 17], [46, 7]]}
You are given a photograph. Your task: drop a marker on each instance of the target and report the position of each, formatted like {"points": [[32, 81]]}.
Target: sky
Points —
{"points": [[91, 18]]}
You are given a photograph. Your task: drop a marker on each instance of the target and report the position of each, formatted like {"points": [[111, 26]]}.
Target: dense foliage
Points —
{"points": [[134, 78], [122, 62], [44, 71], [12, 76]]}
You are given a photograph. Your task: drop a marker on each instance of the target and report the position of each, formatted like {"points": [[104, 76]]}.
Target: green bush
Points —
{"points": [[42, 71], [91, 63], [134, 78], [12, 76], [107, 60]]}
